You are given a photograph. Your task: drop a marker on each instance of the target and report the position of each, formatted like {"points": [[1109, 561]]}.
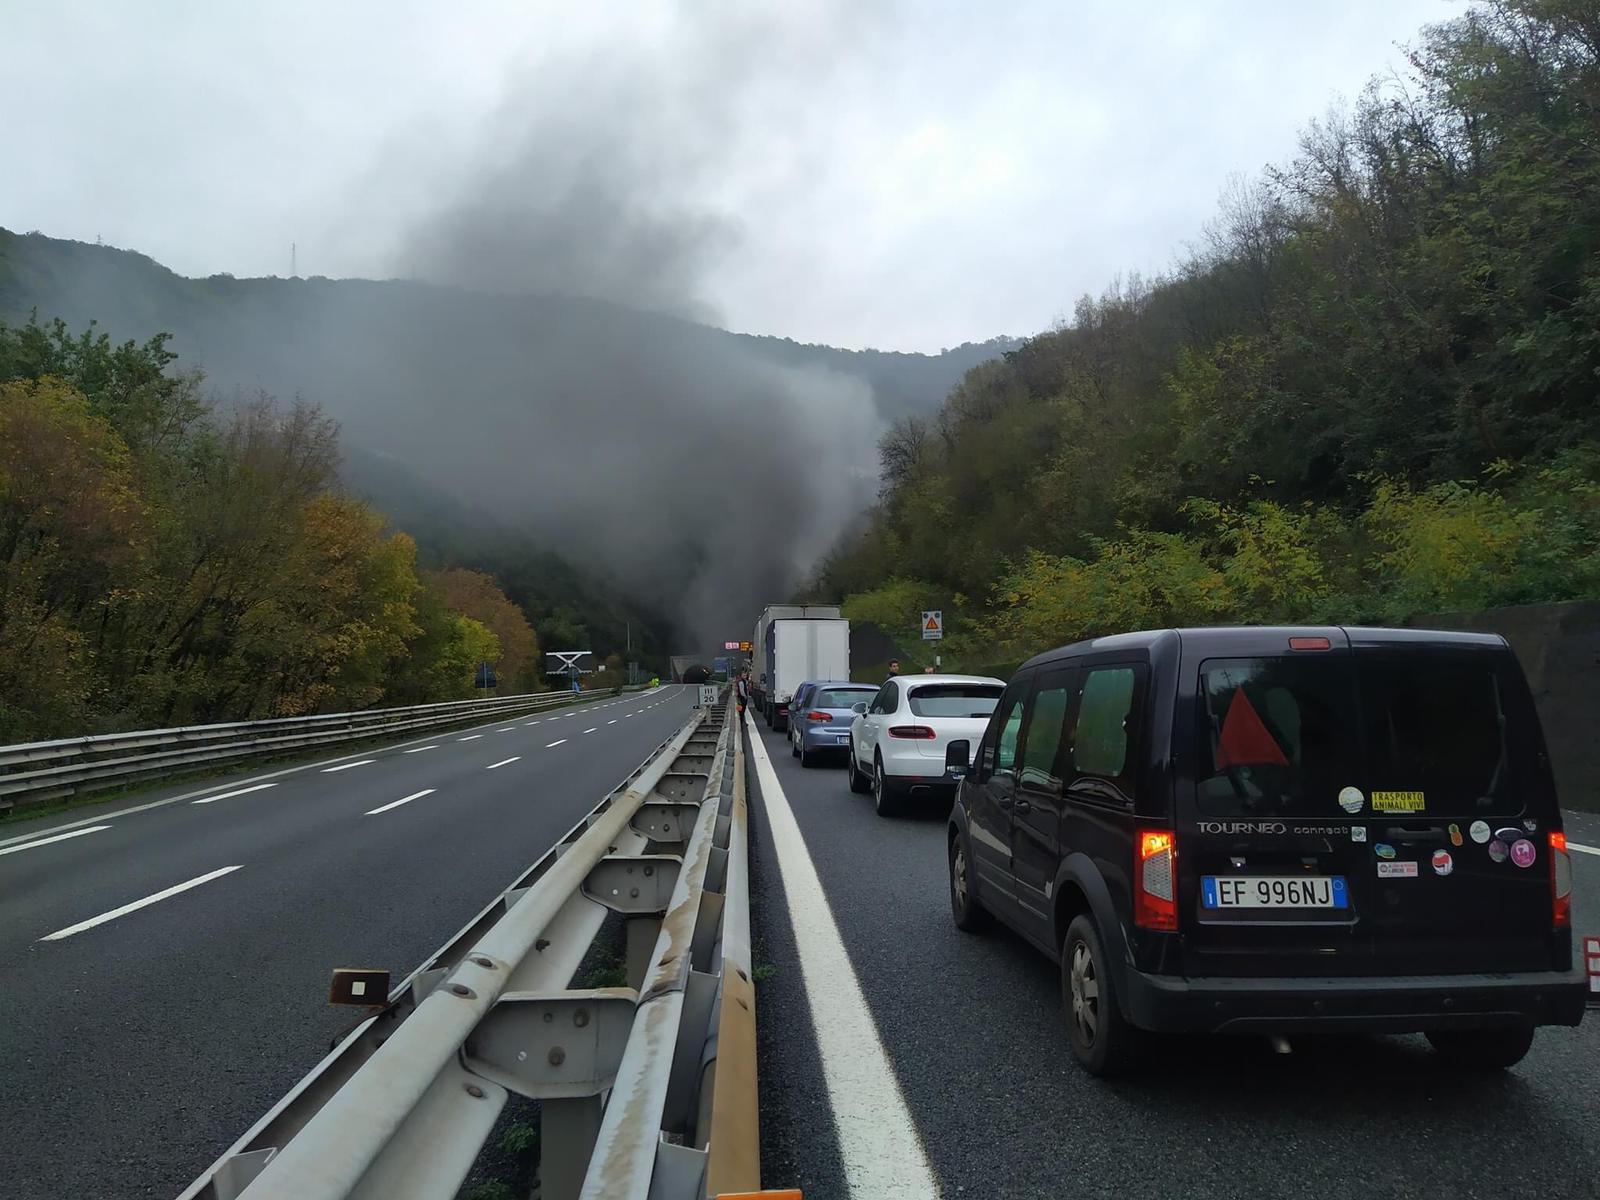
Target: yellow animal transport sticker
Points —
{"points": [[1398, 802]]}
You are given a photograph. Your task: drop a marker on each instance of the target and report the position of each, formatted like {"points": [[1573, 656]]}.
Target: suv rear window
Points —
{"points": [[1284, 736], [843, 697], [955, 699]]}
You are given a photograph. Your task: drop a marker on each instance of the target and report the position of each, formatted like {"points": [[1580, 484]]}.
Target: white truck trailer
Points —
{"points": [[794, 643]]}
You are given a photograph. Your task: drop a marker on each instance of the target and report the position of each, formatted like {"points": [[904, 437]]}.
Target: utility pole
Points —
{"points": [[294, 260]]}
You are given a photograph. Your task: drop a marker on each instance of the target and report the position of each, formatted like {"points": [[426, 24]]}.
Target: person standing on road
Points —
{"points": [[741, 687]]}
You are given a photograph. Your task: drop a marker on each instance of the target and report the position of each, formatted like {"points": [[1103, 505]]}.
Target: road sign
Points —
{"points": [[747, 646], [485, 677], [933, 625], [708, 696], [730, 645]]}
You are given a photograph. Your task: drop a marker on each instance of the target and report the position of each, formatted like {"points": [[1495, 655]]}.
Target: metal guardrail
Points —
{"points": [[107, 760], [646, 1092]]}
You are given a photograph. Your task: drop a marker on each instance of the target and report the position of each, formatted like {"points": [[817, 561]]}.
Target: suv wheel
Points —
{"points": [[884, 798], [1102, 1041], [970, 916], [858, 782], [1482, 1049]]}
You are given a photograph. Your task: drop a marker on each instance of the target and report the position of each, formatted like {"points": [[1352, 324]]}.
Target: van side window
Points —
{"points": [[1047, 723], [1103, 739], [999, 749]]}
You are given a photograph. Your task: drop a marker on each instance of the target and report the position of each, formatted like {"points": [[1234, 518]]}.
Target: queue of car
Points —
{"points": [[1248, 830]]}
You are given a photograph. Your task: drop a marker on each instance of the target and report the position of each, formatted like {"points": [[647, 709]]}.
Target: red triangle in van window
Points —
{"points": [[1245, 740]]}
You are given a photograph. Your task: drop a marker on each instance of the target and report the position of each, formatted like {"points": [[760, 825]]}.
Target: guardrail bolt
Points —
{"points": [[649, 871], [460, 989], [634, 893], [548, 1017], [581, 1017], [474, 1091], [557, 1056], [479, 960]]}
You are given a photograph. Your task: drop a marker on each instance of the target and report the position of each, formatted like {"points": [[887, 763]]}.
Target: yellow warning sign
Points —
{"points": [[1398, 802]]}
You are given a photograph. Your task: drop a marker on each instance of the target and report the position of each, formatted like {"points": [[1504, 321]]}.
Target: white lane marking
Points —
{"points": [[382, 808], [530, 724], [878, 1143], [236, 792], [1582, 849], [473, 738], [507, 729], [420, 749], [613, 721], [60, 837], [504, 762], [555, 743], [137, 904], [591, 729], [346, 766]]}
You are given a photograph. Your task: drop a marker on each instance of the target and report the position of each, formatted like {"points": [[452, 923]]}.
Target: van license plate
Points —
{"points": [[1265, 891]]}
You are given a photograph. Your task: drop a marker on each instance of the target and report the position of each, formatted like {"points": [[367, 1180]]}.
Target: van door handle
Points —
{"points": [[1021, 806]]}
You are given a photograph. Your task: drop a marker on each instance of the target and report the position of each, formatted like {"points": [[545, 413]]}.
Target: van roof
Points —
{"points": [[1250, 639]]}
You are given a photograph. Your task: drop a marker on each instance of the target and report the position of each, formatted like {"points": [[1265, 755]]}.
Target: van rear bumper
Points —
{"points": [[1355, 1004]]}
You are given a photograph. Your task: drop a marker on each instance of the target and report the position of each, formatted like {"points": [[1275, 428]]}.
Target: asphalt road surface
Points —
{"points": [[148, 1024], [977, 1058]]}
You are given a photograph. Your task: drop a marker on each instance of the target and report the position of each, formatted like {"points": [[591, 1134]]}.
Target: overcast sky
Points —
{"points": [[907, 176]]}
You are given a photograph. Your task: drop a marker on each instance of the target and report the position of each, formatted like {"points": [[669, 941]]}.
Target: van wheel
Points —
{"points": [[859, 783], [1102, 1040], [970, 916], [1482, 1049], [884, 799]]}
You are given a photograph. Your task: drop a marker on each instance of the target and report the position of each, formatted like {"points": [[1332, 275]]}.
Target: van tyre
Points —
{"points": [[1482, 1049], [885, 796], [970, 916], [1102, 1040], [859, 783]]}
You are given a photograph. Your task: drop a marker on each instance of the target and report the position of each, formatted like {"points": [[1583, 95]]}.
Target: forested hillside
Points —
{"points": [[163, 563], [1374, 393]]}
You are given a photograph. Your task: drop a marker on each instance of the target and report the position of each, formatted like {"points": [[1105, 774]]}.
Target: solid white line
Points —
{"points": [[473, 738], [555, 743], [346, 766], [878, 1143], [60, 837], [1582, 849], [420, 749], [591, 729], [235, 792], [507, 729], [504, 762], [372, 812], [137, 905]]}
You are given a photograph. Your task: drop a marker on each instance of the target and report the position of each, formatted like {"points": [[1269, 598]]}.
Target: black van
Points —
{"points": [[1272, 830]]}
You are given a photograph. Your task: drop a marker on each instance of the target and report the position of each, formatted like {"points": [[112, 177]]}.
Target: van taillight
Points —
{"points": [[1310, 643], [1155, 892], [1560, 882]]}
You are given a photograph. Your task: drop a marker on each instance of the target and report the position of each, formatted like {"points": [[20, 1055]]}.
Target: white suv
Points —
{"points": [[898, 742]]}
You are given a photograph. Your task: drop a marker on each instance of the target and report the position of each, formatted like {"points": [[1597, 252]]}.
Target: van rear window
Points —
{"points": [[1438, 732]]}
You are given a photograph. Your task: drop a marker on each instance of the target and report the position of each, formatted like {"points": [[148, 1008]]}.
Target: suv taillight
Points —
{"points": [[1155, 874], [1560, 882], [920, 732]]}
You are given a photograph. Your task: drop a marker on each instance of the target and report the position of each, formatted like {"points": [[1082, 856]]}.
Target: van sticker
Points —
{"points": [[1531, 825], [1398, 802], [1383, 850], [1479, 831], [1443, 864], [1358, 833], [1508, 835], [1498, 851], [1455, 835], [1351, 800], [1397, 870], [1523, 853]]}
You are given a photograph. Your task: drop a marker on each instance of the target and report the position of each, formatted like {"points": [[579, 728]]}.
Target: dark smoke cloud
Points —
{"points": [[704, 477]]}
